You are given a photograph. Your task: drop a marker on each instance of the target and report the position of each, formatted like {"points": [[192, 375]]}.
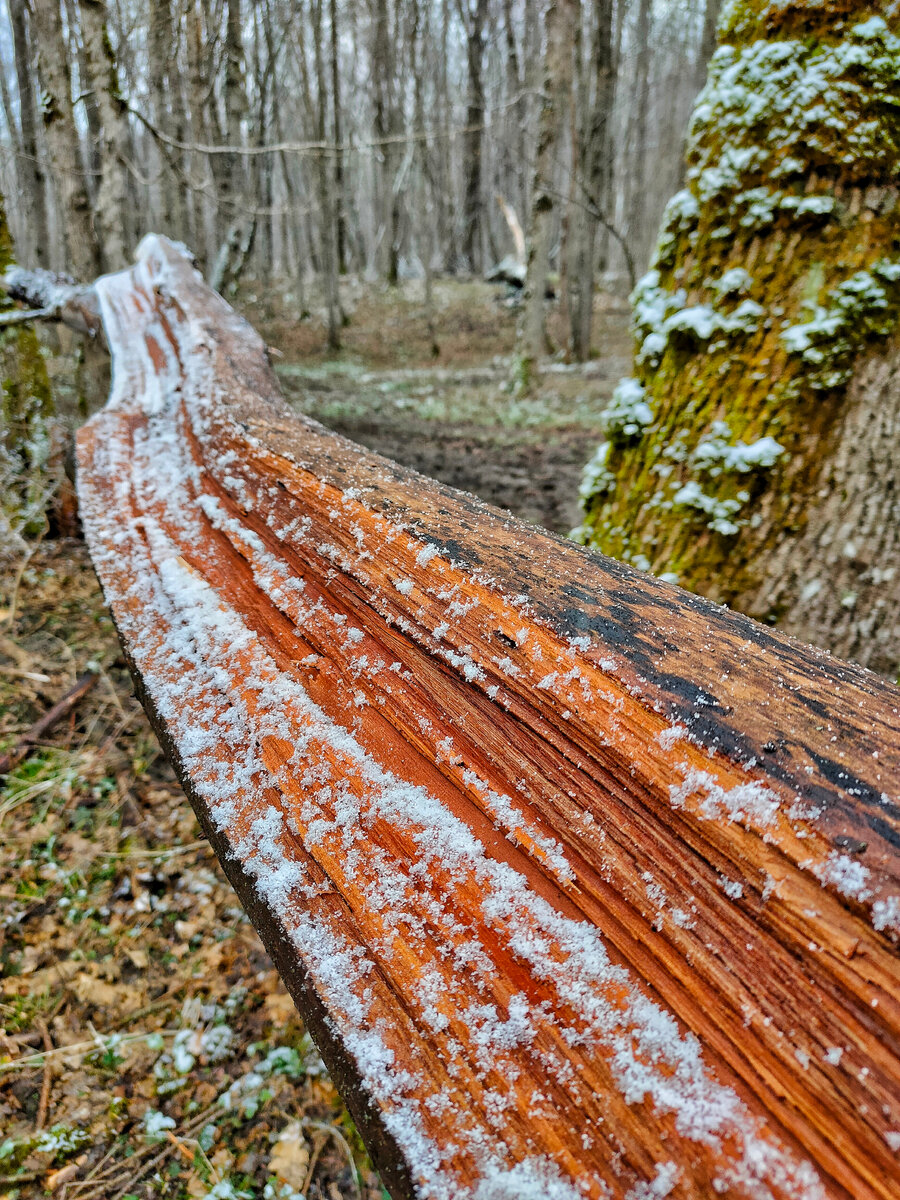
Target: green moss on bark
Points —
{"points": [[777, 268], [26, 409]]}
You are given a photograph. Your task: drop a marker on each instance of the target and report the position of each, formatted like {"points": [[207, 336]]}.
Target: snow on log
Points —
{"points": [[585, 886]]}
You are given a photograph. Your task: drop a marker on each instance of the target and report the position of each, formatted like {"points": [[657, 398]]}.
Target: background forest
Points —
{"points": [[319, 137]]}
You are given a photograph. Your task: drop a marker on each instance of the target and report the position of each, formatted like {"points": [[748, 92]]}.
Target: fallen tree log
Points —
{"points": [[584, 885]]}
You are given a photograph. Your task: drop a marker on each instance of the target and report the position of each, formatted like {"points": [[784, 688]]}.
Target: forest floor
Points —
{"points": [[147, 1046], [456, 416]]}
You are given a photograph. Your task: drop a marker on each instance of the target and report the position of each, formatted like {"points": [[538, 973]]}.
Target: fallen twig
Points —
{"points": [[46, 722], [44, 1103], [82, 1048]]}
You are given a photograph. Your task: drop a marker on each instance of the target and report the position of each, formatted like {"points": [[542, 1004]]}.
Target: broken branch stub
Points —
{"points": [[584, 885]]}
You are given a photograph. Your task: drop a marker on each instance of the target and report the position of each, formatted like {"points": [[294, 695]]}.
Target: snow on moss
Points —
{"points": [[720, 512], [859, 308], [596, 476], [715, 454], [628, 412], [768, 100]]}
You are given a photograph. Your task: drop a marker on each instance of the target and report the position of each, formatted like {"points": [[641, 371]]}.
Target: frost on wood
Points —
{"points": [[772, 299], [558, 862]]}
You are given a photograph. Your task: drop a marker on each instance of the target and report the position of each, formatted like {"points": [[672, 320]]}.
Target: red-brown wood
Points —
{"points": [[585, 886]]}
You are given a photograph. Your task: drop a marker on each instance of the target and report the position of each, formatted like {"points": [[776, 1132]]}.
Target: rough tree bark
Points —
{"points": [[81, 250], [473, 17], [30, 172], [593, 171], [236, 227], [559, 34], [102, 79], [637, 192], [26, 405], [754, 455]]}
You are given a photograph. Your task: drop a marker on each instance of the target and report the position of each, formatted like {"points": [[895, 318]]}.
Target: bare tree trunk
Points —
{"points": [[86, 97], [103, 80], [337, 133], [30, 173], [239, 225], [517, 114], [473, 17], [317, 115], [422, 207], [166, 100], [637, 218], [707, 41], [559, 33], [593, 174], [327, 195], [205, 228], [385, 128], [81, 250]]}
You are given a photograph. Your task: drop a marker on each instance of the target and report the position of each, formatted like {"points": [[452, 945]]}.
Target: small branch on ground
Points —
{"points": [[44, 1102], [46, 722]]}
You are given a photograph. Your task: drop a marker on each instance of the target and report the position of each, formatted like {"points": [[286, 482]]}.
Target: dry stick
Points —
{"points": [[44, 1103], [46, 722], [166, 1153], [97, 1178]]}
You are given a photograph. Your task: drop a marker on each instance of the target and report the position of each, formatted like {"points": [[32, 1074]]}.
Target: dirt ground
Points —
{"points": [[457, 417], [147, 1047]]}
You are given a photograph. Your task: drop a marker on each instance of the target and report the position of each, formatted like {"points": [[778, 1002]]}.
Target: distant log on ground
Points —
{"points": [[585, 886]]}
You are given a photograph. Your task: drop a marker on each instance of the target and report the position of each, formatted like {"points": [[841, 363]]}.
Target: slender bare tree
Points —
{"points": [[102, 79], [81, 250], [559, 33]]}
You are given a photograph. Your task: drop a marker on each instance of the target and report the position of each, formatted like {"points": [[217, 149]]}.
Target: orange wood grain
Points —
{"points": [[585, 886]]}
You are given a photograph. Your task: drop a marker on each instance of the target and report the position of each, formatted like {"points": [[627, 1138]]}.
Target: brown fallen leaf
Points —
{"points": [[289, 1160], [55, 1179], [89, 989], [279, 1007]]}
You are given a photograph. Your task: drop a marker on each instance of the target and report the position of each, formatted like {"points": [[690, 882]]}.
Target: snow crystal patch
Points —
{"points": [[656, 1189], [596, 478], [748, 803], [530, 1179], [732, 889], [886, 914], [845, 874], [155, 1125], [627, 413], [670, 735]]}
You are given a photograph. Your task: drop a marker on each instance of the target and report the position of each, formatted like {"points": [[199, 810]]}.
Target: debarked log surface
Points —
{"points": [[585, 886]]}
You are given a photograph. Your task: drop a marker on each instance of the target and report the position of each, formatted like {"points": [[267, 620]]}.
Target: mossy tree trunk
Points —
{"points": [[755, 455], [27, 464]]}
